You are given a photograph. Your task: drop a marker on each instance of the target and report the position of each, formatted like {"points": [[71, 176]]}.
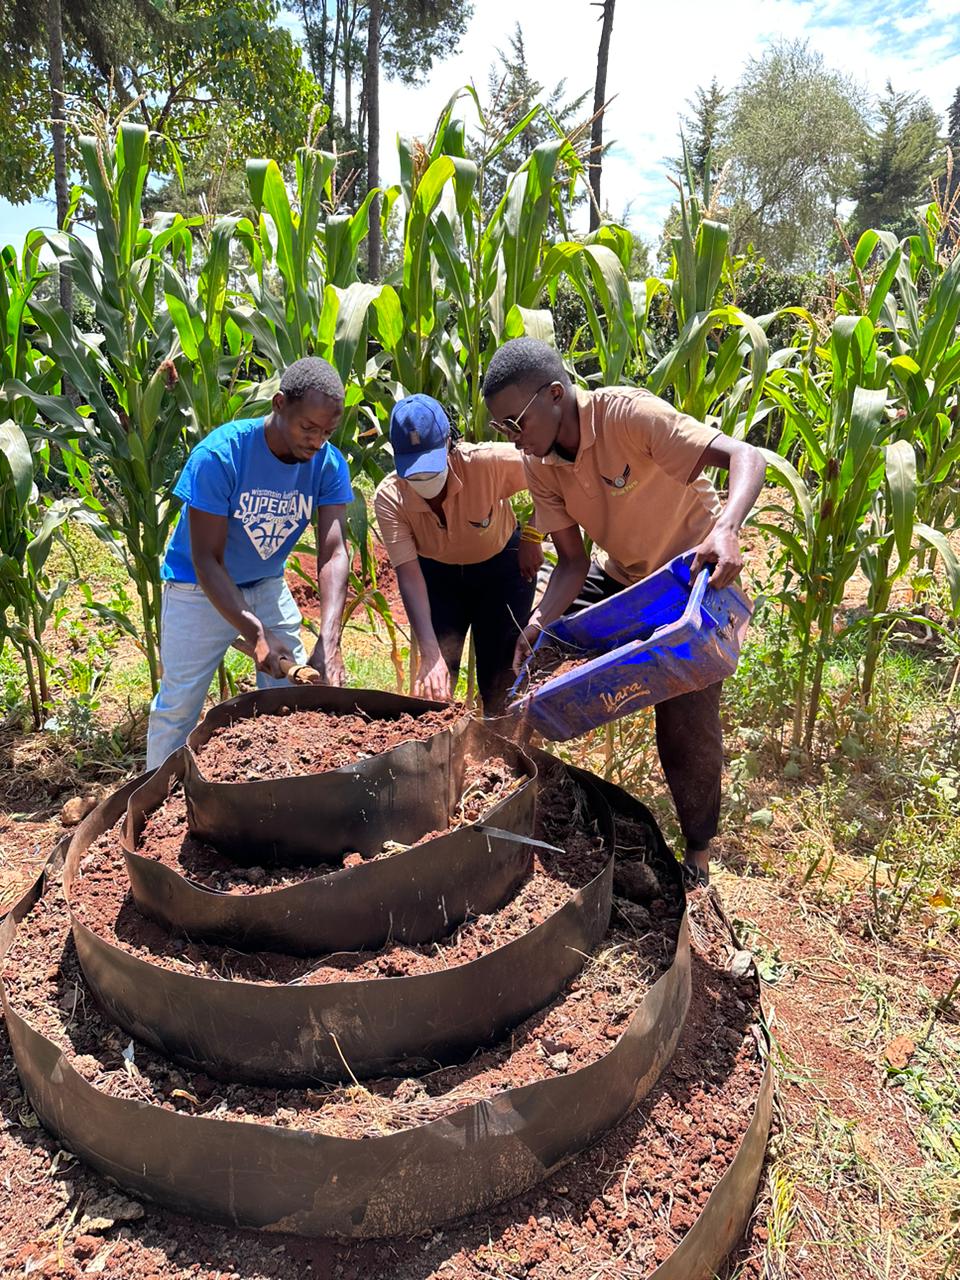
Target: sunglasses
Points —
{"points": [[512, 425]]}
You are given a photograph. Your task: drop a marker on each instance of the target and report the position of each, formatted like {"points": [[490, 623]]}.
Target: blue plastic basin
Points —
{"points": [[659, 638]]}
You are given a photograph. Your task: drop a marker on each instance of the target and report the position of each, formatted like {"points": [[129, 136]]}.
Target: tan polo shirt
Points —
{"points": [[478, 517], [627, 488]]}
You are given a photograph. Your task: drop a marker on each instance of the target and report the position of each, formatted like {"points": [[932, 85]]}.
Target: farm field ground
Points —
{"points": [[839, 871]]}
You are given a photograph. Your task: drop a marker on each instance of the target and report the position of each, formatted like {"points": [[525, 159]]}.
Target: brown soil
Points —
{"points": [[101, 901], [547, 662], [291, 743], [308, 597], [48, 988], [166, 837], [630, 1197]]}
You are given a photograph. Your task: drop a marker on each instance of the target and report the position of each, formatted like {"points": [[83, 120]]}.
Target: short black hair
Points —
{"points": [[311, 374], [521, 361]]}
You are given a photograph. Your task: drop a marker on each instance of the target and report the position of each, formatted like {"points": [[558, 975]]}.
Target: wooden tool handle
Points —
{"points": [[295, 672]]}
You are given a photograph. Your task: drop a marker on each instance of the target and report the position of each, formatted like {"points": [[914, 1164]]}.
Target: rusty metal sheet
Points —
{"points": [[414, 896], [399, 795], [251, 1175]]}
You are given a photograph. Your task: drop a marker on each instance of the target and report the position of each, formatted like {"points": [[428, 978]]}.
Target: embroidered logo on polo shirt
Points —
{"points": [[620, 481], [484, 523]]}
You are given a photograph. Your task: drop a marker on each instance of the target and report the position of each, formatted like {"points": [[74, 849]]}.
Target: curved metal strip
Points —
{"points": [[302, 1033], [398, 795], [724, 1217], [414, 896], [286, 1180]]}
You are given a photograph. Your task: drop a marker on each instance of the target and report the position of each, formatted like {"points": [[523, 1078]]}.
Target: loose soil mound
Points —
{"points": [[628, 1200], [291, 743], [167, 839], [575, 1030], [102, 902]]}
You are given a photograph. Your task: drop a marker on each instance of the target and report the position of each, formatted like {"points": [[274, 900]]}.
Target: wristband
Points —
{"points": [[529, 534]]}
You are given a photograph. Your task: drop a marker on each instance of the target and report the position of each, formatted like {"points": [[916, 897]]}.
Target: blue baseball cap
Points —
{"points": [[419, 434]]}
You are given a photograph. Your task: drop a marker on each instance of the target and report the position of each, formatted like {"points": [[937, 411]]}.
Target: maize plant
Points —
{"points": [[20, 359], [894, 518], [124, 447], [925, 364], [841, 426], [713, 379], [28, 599]]}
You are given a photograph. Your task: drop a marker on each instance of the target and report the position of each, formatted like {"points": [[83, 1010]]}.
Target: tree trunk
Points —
{"points": [[373, 137], [58, 130], [599, 98], [331, 95]]}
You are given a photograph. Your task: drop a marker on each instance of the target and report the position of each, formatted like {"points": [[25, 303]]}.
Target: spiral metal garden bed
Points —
{"points": [[283, 1177]]}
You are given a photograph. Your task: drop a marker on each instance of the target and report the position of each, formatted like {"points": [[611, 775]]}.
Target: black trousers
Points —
{"points": [[493, 600], [689, 738]]}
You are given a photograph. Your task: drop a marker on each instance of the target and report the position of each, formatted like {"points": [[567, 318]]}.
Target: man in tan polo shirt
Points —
{"points": [[627, 469], [462, 563]]}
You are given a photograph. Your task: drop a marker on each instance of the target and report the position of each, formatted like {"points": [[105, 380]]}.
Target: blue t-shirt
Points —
{"points": [[233, 472]]}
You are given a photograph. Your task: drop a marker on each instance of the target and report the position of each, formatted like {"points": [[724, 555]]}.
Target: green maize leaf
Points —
{"points": [[56, 514], [615, 237], [902, 486], [881, 289], [513, 133], [865, 430], [16, 452], [865, 247], [389, 317], [948, 558], [523, 322], [788, 475], [56, 409], [351, 322], [711, 251], [943, 309], [799, 555], [343, 235]]}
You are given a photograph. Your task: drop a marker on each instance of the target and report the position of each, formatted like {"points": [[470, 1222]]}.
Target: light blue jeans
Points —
{"points": [[193, 640]]}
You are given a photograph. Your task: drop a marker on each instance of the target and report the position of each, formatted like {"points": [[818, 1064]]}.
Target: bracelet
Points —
{"points": [[529, 534]]}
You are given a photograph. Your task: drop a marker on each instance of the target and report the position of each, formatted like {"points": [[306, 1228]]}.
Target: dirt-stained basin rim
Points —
{"points": [[400, 794]]}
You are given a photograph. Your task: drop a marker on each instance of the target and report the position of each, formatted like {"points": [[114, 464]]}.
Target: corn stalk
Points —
{"points": [[124, 445]]}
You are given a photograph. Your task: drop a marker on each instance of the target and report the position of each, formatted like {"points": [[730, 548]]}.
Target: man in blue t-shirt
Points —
{"points": [[249, 489]]}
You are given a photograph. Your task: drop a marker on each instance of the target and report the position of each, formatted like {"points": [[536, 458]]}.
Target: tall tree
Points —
{"points": [[599, 101], [411, 36], [953, 121], [181, 71], [512, 94], [703, 131], [373, 126], [899, 157], [58, 133], [795, 130]]}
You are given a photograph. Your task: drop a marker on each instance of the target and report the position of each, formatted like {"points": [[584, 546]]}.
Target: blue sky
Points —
{"points": [[659, 55]]}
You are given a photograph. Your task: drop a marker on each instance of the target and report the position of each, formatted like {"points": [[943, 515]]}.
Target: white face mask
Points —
{"points": [[428, 483]]}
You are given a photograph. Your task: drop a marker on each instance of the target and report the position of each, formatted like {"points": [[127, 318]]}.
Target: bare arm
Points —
{"points": [[562, 589], [332, 572], [208, 541], [721, 546], [432, 679]]}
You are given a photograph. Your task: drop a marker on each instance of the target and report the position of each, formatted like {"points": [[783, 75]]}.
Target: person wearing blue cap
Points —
{"points": [[462, 563]]}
